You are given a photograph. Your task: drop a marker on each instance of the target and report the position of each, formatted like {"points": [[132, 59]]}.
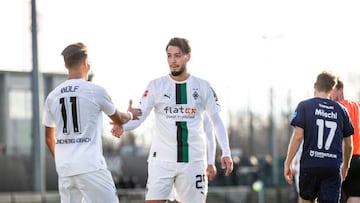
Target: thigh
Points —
{"points": [[97, 186], [191, 182], [351, 184], [330, 186], [160, 180], [309, 183], [68, 191], [321, 183]]}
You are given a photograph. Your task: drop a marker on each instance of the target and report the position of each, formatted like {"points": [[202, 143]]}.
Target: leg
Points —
{"points": [[353, 200], [97, 186], [68, 191]]}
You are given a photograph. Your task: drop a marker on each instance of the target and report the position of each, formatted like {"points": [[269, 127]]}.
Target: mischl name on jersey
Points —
{"points": [[69, 89], [323, 113]]}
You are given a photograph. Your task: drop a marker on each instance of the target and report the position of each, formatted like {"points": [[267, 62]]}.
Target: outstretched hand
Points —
{"points": [[136, 112]]}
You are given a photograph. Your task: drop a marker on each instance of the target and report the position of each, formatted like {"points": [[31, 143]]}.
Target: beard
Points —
{"points": [[179, 72]]}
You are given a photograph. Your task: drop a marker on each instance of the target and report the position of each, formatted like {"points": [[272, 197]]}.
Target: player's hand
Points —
{"points": [[136, 112], [344, 171], [211, 171], [227, 164], [288, 175], [117, 130]]}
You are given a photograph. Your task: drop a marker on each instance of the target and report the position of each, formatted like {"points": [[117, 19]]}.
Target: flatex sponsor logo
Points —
{"points": [[180, 112]]}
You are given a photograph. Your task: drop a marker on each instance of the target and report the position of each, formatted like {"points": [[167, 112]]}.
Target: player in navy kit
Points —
{"points": [[324, 126], [178, 151], [73, 126]]}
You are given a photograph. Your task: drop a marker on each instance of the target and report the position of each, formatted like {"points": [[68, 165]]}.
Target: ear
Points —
{"points": [[66, 66], [188, 56], [84, 62]]}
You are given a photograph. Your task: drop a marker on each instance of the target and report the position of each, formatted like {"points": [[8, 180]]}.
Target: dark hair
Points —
{"points": [[325, 81], [74, 54], [182, 43], [340, 84]]}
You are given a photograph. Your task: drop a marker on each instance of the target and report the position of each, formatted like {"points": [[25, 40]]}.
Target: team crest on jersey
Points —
{"points": [[145, 93], [195, 94]]}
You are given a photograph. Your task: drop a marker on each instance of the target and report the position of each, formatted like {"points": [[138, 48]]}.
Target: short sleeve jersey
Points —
{"points": [[179, 107], [325, 123], [75, 108]]}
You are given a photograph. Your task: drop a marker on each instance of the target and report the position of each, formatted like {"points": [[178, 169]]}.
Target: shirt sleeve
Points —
{"points": [[106, 104], [221, 134], [48, 119], [211, 145]]}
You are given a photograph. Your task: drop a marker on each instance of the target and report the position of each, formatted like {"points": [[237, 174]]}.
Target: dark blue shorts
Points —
{"points": [[321, 183], [351, 184]]}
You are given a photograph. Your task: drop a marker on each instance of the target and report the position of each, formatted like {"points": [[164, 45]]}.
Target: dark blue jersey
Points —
{"points": [[325, 123]]}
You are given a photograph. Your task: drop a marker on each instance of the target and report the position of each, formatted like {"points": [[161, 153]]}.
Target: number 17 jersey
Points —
{"points": [[325, 123]]}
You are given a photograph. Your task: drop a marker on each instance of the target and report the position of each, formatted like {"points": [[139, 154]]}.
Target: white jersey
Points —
{"points": [[179, 106], [75, 108]]}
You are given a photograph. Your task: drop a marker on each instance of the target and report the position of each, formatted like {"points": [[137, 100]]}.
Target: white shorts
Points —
{"points": [[188, 179], [93, 187]]}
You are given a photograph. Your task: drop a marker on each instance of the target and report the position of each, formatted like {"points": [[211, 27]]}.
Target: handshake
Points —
{"points": [[120, 118]]}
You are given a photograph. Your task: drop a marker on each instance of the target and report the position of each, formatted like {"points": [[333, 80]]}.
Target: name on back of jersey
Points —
{"points": [[71, 88]]}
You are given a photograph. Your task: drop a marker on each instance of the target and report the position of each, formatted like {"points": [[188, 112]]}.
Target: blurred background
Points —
{"points": [[261, 57]]}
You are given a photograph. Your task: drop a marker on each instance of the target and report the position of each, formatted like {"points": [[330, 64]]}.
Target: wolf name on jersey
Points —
{"points": [[330, 122], [78, 131], [178, 124]]}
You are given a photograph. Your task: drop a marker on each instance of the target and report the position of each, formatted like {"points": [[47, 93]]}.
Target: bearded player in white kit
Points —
{"points": [[73, 126], [177, 156]]}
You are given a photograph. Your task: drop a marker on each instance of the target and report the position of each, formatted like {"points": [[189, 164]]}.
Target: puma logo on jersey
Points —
{"points": [[165, 95]]}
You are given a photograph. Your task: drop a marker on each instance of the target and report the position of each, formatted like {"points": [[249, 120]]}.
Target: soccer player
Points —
{"points": [[178, 149], [73, 127], [351, 184], [323, 126], [211, 170]]}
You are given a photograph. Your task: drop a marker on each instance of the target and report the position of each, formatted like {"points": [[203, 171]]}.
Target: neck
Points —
{"points": [[181, 77], [77, 75], [324, 95]]}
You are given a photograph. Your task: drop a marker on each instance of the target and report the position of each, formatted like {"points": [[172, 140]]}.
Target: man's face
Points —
{"points": [[334, 95], [176, 60]]}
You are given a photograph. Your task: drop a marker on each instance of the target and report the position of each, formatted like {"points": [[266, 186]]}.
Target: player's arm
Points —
{"points": [[211, 148], [222, 138], [347, 153], [50, 139], [295, 142], [120, 118]]}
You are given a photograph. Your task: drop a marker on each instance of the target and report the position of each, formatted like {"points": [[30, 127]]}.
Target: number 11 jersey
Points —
{"points": [[75, 109]]}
